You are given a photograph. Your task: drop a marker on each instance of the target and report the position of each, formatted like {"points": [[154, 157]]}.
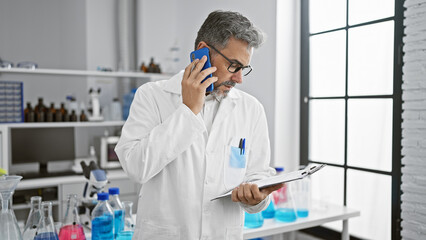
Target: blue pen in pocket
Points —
{"points": [[236, 159]]}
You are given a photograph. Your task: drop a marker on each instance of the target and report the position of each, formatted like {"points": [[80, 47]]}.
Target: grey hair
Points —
{"points": [[220, 26]]}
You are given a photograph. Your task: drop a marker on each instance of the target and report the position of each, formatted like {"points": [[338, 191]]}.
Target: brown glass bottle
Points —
{"points": [[40, 106], [51, 113], [151, 66], [64, 113], [83, 117], [29, 113], [73, 116]]}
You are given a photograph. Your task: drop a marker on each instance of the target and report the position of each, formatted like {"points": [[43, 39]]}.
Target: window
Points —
{"points": [[351, 71]]}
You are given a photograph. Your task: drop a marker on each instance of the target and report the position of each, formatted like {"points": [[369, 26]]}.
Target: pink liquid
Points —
{"points": [[71, 232]]}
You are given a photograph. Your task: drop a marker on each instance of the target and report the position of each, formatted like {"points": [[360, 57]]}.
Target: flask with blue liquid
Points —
{"points": [[253, 220], [285, 210], [102, 219], [117, 208], [269, 212], [129, 224], [46, 229]]}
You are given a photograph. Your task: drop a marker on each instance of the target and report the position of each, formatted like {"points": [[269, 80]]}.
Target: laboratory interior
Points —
{"points": [[342, 85]]}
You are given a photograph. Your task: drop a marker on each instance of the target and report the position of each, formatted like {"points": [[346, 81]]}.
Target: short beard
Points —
{"points": [[219, 95]]}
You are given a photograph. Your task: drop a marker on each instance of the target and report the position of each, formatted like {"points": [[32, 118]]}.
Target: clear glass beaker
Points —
{"points": [[302, 196], [71, 227], [33, 219], [9, 229], [46, 228], [285, 208], [129, 224]]}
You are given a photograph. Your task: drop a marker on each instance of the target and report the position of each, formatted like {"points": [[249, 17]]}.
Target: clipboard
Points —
{"points": [[282, 178]]}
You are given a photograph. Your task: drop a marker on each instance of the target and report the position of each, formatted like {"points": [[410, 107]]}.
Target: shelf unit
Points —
{"points": [[5, 133], [63, 124], [45, 71]]}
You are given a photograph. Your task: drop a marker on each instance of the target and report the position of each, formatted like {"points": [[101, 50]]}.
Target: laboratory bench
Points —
{"points": [[320, 214]]}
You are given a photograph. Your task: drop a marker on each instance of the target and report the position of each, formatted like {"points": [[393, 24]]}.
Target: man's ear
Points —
{"points": [[201, 44]]}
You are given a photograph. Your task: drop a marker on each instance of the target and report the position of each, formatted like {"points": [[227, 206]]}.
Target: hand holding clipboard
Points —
{"points": [[282, 178]]}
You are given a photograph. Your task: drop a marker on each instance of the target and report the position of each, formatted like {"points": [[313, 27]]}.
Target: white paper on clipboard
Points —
{"points": [[282, 178]]}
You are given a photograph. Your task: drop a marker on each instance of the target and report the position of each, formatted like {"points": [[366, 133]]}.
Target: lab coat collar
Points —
{"points": [[173, 85]]}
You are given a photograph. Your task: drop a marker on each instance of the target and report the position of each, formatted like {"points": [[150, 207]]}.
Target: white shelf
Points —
{"points": [[151, 76], [63, 124]]}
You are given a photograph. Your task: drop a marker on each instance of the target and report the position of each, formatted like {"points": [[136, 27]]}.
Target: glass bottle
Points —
{"points": [[64, 112], [71, 227], [83, 117], [29, 113], [34, 217], [73, 116], [40, 106], [46, 227], [9, 229], [253, 220], [117, 208], [285, 207], [102, 219], [50, 117], [129, 224]]}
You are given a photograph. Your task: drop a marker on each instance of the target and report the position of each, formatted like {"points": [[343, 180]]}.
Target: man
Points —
{"points": [[185, 145]]}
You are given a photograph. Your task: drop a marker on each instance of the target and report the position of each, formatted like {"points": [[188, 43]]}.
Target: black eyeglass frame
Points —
{"points": [[240, 66]]}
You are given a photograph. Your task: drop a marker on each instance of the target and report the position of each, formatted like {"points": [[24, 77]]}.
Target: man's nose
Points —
{"points": [[237, 77]]}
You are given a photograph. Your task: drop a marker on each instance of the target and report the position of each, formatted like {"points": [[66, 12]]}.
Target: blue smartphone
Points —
{"points": [[198, 54]]}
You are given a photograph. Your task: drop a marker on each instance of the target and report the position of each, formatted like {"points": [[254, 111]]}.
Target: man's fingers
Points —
{"points": [[272, 188], [189, 68], [234, 195], [208, 81]]}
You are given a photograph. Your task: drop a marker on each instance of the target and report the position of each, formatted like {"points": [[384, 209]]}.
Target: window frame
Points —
{"points": [[396, 114]]}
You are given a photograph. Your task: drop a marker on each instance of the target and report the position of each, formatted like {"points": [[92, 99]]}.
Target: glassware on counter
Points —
{"points": [[9, 229], [117, 208], [129, 224], [71, 227], [46, 228], [33, 220], [102, 219]]}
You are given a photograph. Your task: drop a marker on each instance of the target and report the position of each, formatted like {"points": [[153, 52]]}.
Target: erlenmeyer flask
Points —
{"points": [[46, 228], [9, 229], [129, 224], [34, 217], [253, 220], [71, 228], [285, 207]]}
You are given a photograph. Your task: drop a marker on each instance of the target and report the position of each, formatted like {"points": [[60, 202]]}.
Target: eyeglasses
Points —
{"points": [[234, 65], [9, 65]]}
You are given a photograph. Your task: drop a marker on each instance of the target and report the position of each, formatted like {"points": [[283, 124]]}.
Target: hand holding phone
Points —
{"points": [[198, 54]]}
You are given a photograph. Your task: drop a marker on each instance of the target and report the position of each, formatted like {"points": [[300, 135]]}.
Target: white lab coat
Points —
{"points": [[166, 147]]}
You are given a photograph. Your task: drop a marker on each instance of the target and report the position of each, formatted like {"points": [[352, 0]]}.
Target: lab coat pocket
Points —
{"points": [[234, 167]]}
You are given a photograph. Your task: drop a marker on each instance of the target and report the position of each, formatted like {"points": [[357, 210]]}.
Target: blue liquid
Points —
{"points": [[254, 220], [102, 228], [118, 221], [285, 215], [269, 212], [46, 236], [302, 212], [125, 235]]}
